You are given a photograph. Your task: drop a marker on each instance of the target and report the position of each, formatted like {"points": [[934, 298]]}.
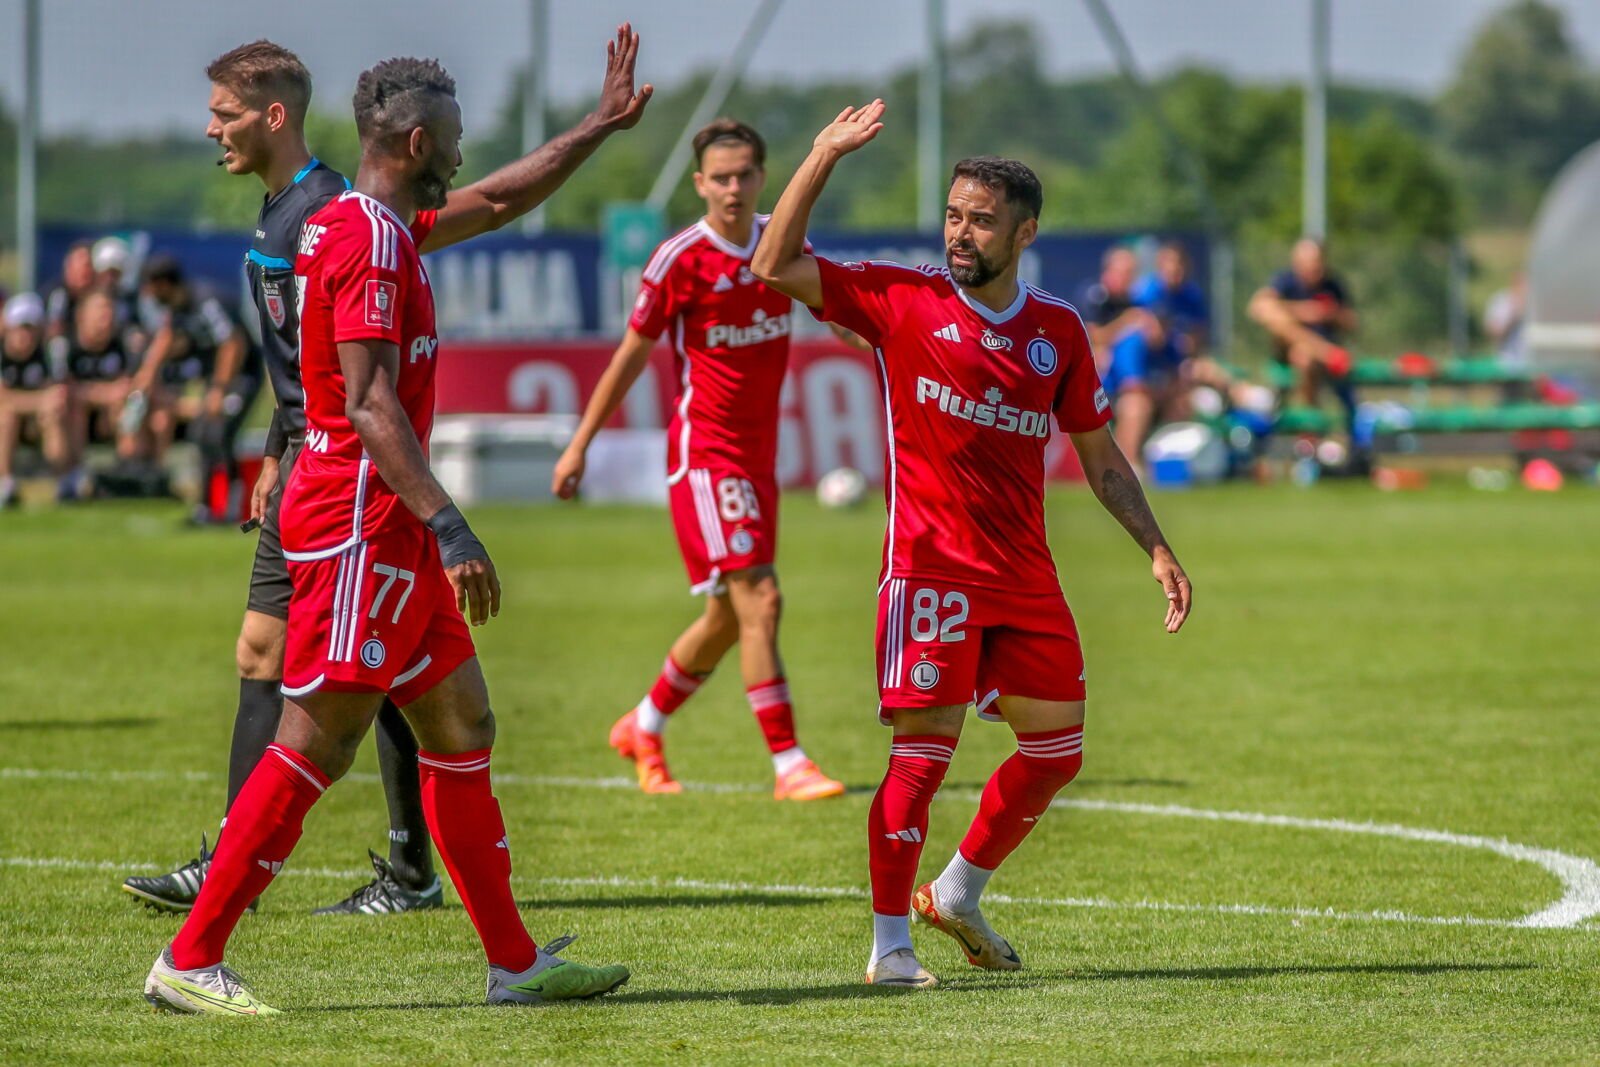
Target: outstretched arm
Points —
{"points": [[780, 259], [518, 188], [1113, 481], [627, 363], [371, 369]]}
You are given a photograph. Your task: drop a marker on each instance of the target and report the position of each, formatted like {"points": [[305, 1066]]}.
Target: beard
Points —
{"points": [[979, 273], [429, 191]]}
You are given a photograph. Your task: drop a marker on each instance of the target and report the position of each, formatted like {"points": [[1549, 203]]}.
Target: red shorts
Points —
{"points": [[378, 617], [942, 644], [726, 521]]}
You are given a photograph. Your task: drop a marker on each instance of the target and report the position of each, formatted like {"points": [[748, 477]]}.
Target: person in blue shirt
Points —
{"points": [[1150, 334]]}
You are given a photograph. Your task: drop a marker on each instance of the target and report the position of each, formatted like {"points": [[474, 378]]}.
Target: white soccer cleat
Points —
{"points": [[982, 946], [203, 991], [900, 968]]}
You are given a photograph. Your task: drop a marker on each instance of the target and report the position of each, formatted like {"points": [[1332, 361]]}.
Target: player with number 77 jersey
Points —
{"points": [[975, 367]]}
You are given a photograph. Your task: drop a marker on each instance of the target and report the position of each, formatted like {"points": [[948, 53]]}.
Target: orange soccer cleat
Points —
{"points": [[644, 751], [804, 781]]}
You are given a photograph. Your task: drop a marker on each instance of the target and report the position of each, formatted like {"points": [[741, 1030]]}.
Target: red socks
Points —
{"points": [[673, 687], [471, 837], [1019, 792], [898, 820], [774, 712], [263, 825]]}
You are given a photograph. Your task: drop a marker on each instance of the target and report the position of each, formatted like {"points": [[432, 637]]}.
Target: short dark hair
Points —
{"points": [[163, 267], [729, 131], [262, 72], [396, 96], [1017, 180]]}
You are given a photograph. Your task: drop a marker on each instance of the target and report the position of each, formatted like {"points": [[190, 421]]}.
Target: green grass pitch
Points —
{"points": [[1423, 661]]}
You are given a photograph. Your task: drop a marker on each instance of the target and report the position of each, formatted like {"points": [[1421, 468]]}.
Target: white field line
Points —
{"points": [[1579, 877], [843, 892]]}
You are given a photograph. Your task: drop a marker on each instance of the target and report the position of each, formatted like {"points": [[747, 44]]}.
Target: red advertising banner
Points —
{"points": [[831, 410]]}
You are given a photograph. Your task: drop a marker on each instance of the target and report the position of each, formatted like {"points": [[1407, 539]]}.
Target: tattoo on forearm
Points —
{"points": [[1124, 499]]}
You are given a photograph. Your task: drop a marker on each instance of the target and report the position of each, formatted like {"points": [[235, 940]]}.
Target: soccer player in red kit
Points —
{"points": [[974, 368], [382, 563], [730, 334]]}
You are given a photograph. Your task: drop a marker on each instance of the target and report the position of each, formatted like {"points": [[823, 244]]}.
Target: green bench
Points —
{"points": [[1382, 373]]}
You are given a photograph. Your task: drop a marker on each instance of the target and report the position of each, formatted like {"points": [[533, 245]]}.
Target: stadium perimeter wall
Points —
{"points": [[831, 413]]}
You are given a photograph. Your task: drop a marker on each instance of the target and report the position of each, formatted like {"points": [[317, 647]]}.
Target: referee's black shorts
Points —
{"points": [[269, 575]]}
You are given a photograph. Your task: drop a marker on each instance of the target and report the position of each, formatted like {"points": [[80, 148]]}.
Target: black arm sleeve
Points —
{"points": [[277, 436]]}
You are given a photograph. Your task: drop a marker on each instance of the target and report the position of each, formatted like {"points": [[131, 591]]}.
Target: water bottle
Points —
{"points": [[133, 413]]}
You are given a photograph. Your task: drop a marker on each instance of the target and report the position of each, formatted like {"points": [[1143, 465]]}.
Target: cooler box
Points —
{"points": [[498, 457]]}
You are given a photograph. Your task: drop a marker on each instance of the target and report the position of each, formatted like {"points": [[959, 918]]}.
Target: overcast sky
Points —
{"points": [[125, 66]]}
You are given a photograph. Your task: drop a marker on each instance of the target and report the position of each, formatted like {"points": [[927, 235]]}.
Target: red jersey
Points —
{"points": [[730, 334], [358, 277], [969, 396]]}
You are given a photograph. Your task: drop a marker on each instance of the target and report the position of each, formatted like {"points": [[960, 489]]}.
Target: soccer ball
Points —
{"points": [[843, 487]]}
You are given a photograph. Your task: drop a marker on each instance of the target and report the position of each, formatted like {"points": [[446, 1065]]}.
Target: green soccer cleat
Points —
{"points": [[552, 978], [203, 991]]}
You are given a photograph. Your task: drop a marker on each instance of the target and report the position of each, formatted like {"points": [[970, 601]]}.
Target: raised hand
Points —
{"points": [[621, 107], [853, 128]]}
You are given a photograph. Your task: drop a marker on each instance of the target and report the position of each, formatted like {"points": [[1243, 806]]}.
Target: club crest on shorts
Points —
{"points": [[741, 543], [925, 675], [1042, 356], [373, 652]]}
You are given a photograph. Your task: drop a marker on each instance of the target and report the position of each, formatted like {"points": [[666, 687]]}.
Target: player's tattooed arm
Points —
{"points": [[519, 187], [780, 260], [1125, 500], [1117, 487]]}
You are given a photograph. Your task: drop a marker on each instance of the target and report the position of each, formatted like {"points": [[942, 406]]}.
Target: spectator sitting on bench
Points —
{"points": [[77, 278], [197, 370], [1307, 310], [99, 366], [110, 257], [1130, 347], [32, 386]]}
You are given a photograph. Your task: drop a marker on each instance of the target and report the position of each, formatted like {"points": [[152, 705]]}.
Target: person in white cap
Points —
{"points": [[32, 386], [112, 258]]}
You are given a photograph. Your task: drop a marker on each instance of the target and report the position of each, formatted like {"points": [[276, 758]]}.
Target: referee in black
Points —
{"points": [[259, 96]]}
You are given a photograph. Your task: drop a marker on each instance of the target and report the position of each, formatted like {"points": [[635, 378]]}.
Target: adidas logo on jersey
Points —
{"points": [[274, 866], [722, 284], [913, 835], [1003, 417], [949, 333], [762, 328]]}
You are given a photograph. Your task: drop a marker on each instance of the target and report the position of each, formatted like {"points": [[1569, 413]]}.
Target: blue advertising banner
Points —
{"points": [[506, 286]]}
